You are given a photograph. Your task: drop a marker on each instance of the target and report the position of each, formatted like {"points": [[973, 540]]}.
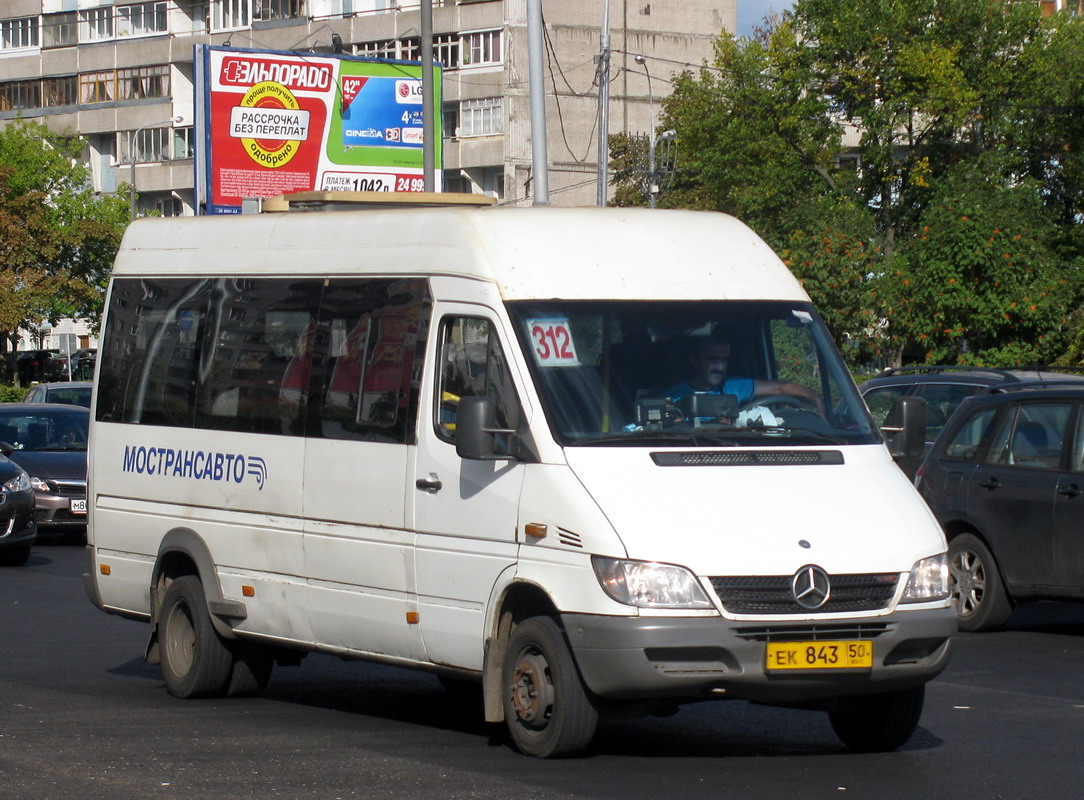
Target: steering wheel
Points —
{"points": [[774, 400]]}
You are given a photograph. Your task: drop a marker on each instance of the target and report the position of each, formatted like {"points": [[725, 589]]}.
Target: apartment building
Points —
{"points": [[121, 74]]}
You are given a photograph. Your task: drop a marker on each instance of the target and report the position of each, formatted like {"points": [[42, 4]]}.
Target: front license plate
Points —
{"points": [[819, 655], [79, 506]]}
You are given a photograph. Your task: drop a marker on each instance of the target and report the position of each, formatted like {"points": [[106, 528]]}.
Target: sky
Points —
{"points": [[751, 12]]}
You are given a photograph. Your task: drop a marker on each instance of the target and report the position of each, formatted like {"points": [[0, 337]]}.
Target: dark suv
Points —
{"points": [[1006, 481], [944, 388]]}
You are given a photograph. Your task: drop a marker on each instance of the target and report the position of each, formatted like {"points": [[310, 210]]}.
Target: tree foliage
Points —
{"points": [[916, 162], [57, 238]]}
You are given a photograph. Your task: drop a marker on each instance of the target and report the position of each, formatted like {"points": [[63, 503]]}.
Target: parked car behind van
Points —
{"points": [[944, 388], [71, 393], [49, 441], [17, 528], [1006, 480]]}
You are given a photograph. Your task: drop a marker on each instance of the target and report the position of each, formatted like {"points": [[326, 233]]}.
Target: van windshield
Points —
{"points": [[689, 373]]}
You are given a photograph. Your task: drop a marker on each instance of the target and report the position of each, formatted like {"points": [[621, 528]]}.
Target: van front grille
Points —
{"points": [[772, 594]]}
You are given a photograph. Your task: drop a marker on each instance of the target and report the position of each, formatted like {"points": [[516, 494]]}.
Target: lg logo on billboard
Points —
{"points": [[408, 92]]}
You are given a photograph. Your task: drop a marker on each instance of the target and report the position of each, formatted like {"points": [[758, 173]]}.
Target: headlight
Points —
{"points": [[20, 483], [648, 585], [929, 580], [40, 485]]}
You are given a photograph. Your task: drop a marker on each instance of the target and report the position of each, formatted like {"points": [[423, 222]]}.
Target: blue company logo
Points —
{"points": [[198, 464]]}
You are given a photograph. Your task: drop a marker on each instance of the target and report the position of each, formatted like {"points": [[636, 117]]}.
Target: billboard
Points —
{"points": [[270, 122]]}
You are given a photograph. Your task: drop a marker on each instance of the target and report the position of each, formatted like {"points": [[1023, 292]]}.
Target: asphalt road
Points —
{"points": [[82, 716]]}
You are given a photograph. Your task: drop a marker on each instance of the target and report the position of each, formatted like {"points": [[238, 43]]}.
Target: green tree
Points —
{"points": [[57, 238], [855, 136]]}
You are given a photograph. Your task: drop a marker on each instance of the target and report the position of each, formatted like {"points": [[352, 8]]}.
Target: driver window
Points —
{"points": [[472, 364]]}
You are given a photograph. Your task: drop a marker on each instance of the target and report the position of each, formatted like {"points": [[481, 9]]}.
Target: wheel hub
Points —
{"points": [[532, 692]]}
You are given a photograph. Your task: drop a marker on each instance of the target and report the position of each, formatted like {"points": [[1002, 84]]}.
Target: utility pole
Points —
{"points": [[604, 108], [428, 112], [537, 83]]}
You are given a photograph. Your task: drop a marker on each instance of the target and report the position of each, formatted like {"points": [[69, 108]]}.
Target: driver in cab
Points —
{"points": [[709, 360]]}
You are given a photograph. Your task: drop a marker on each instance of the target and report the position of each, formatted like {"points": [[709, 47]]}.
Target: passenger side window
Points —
{"points": [[372, 339], [965, 442], [254, 375], [152, 348], [1034, 438], [472, 364]]}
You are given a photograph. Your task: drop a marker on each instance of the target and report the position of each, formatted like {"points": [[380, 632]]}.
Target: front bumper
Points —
{"points": [[54, 511], [699, 657], [17, 525]]}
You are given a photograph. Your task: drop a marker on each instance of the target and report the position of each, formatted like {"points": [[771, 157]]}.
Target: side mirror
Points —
{"points": [[474, 431], [6, 448], [905, 427]]}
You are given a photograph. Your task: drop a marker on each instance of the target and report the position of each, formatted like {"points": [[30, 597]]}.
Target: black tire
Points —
{"points": [[15, 556], [195, 661], [978, 593], [251, 669], [879, 722], [548, 710]]}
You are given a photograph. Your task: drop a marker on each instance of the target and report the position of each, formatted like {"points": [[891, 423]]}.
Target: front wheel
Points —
{"points": [[548, 710], [879, 722], [978, 594], [195, 660]]}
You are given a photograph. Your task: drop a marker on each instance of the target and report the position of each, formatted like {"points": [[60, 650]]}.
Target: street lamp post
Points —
{"points": [[132, 138], [652, 140]]}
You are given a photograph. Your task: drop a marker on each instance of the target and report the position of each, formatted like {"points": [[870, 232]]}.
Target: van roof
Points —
{"points": [[528, 253]]}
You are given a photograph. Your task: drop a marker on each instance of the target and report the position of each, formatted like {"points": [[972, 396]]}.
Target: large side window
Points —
{"points": [[150, 351], [472, 364], [1033, 438], [254, 374], [371, 340]]}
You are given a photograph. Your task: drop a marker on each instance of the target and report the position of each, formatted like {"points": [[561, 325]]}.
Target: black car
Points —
{"points": [[17, 527], [944, 388], [49, 441], [38, 366], [1006, 481]]}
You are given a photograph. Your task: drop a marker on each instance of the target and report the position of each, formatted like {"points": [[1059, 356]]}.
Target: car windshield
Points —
{"points": [[44, 430], [689, 374]]}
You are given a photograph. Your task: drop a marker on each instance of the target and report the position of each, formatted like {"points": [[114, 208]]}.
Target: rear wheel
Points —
{"points": [[978, 594], [879, 722], [548, 709], [195, 660]]}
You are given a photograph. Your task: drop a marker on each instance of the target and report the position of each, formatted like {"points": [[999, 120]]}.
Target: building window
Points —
{"points": [[381, 48], [96, 24], [141, 82], [18, 34], [97, 87], [151, 145], [481, 48], [480, 117], [446, 49], [229, 14], [16, 95], [451, 121], [182, 143], [62, 91], [277, 9], [59, 30], [142, 19], [169, 206]]}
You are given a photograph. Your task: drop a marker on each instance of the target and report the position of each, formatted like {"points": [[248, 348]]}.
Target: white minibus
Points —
{"points": [[599, 461]]}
